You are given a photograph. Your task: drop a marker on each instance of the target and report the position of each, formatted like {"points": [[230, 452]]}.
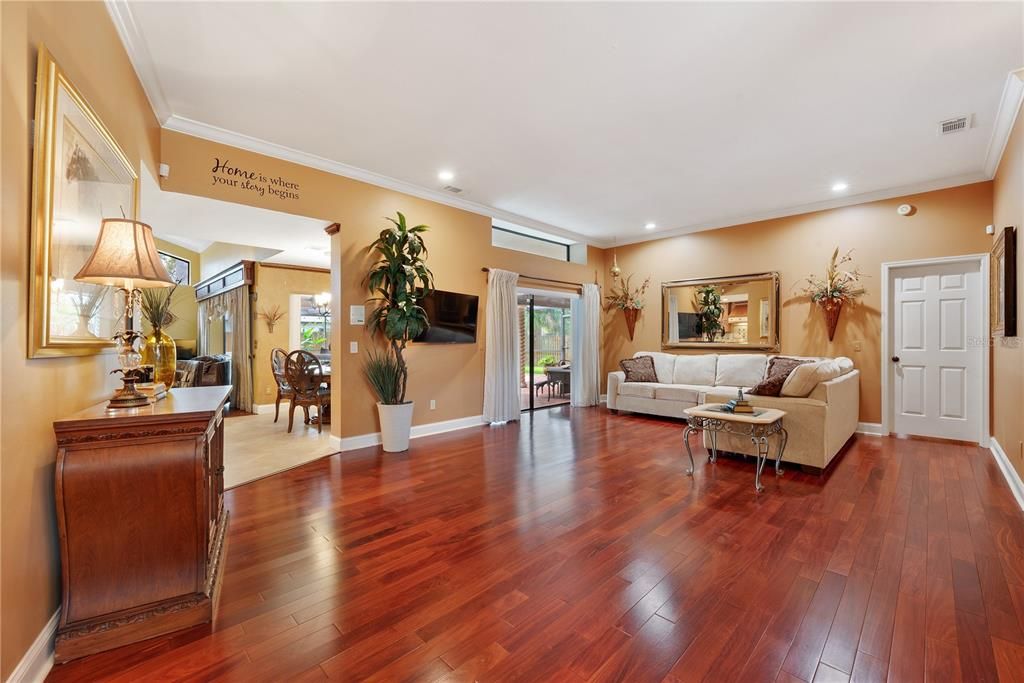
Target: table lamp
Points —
{"points": [[125, 257]]}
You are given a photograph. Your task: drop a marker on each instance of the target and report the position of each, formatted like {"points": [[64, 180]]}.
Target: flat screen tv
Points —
{"points": [[452, 318]]}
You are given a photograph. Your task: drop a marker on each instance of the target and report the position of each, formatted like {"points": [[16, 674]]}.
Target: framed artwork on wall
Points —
{"points": [[80, 175], [1003, 294]]}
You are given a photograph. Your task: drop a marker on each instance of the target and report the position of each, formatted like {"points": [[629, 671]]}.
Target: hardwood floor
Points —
{"points": [[572, 547]]}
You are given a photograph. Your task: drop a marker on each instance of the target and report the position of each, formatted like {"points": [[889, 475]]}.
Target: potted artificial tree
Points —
{"points": [[398, 281], [709, 312]]}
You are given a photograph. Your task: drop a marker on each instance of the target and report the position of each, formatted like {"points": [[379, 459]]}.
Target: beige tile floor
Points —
{"points": [[255, 447]]}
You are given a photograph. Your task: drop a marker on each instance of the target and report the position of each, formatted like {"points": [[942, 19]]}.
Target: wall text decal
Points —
{"points": [[224, 173]]}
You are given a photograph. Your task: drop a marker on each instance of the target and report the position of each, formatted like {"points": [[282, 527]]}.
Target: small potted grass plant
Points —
{"points": [[398, 280]]}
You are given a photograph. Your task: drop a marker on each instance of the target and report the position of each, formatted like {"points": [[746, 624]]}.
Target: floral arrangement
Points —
{"points": [[156, 307], [624, 297], [271, 317], [839, 283]]}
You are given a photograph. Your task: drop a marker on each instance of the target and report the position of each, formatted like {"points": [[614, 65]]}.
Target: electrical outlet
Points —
{"points": [[433, 404], [857, 346], [266, 390]]}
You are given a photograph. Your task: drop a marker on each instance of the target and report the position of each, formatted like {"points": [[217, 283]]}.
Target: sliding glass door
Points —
{"points": [[545, 348]]}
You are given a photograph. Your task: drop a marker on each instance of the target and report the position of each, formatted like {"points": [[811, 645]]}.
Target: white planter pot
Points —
{"points": [[395, 426]]}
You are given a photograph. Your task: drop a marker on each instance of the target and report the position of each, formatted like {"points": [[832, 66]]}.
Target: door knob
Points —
{"points": [[895, 359]]}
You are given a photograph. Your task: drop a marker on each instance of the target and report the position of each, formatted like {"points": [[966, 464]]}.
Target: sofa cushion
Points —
{"points": [[741, 369], [678, 392], [779, 369], [639, 369], [663, 364], [638, 389], [698, 369], [804, 378]]}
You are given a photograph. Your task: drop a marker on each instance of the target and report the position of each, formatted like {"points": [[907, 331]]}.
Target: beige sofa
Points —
{"points": [[818, 425]]}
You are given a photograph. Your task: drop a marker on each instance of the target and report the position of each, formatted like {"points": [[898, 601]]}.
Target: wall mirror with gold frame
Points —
{"points": [[79, 176], [748, 317]]}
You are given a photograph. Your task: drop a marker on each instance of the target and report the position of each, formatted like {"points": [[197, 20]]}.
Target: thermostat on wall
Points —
{"points": [[356, 315]]}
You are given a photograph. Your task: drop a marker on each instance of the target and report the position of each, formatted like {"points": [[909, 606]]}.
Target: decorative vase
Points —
{"points": [[631, 315], [161, 352], [395, 426], [831, 308]]}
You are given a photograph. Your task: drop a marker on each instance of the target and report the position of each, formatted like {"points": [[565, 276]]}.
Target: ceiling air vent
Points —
{"points": [[955, 125], [453, 189]]}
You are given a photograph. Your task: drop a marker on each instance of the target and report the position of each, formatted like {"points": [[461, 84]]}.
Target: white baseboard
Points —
{"points": [[351, 443], [603, 398], [871, 428], [1010, 474], [38, 661], [263, 408]]}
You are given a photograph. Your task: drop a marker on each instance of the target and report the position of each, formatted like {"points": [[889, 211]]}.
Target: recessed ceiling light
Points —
{"points": [[446, 176], [650, 226], [840, 186]]}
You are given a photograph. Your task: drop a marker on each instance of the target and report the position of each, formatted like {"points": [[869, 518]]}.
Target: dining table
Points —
{"points": [[325, 377]]}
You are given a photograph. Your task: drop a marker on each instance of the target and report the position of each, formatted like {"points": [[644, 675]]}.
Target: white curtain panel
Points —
{"points": [[203, 343], [501, 366], [237, 303], [585, 379]]}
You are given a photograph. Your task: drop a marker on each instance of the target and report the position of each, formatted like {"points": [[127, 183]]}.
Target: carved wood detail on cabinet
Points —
{"points": [[140, 512]]}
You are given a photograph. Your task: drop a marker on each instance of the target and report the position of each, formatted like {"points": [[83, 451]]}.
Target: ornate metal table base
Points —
{"points": [[758, 434]]}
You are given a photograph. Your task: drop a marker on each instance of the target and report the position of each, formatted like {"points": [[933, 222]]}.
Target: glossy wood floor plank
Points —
{"points": [[572, 547]]}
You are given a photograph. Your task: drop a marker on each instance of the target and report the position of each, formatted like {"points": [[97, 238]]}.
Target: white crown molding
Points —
{"points": [[138, 53], [38, 660], [1006, 117], [851, 200], [215, 134], [1013, 479], [206, 131], [135, 45]]}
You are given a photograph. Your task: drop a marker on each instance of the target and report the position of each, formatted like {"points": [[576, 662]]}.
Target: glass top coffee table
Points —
{"points": [[760, 425]]}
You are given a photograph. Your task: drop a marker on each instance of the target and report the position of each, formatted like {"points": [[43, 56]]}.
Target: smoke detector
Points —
{"points": [[954, 125]]}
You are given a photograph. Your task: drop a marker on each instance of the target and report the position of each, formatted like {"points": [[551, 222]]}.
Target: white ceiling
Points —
{"points": [[197, 222], [592, 119]]}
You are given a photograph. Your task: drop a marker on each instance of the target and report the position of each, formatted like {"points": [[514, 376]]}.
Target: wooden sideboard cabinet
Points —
{"points": [[141, 518]]}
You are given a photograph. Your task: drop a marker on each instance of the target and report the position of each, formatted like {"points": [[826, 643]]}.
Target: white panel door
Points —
{"points": [[937, 360]]}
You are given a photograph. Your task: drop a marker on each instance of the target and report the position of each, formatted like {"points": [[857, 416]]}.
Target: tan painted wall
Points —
{"points": [[183, 303], [274, 286], [947, 222], [1008, 354], [35, 392], [220, 256], [459, 243]]}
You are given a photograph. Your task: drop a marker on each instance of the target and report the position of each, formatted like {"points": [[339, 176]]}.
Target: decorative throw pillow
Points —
{"points": [[639, 369], [804, 378], [779, 369]]}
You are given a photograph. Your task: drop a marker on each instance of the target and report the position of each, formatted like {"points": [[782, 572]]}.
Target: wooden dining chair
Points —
{"points": [[305, 375], [278, 356]]}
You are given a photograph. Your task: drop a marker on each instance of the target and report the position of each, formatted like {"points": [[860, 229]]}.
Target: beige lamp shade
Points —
{"points": [[125, 256]]}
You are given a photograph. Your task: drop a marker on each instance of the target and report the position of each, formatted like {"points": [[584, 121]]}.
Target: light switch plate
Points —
{"points": [[353, 347]]}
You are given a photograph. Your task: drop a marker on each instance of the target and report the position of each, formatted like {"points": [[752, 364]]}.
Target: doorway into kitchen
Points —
{"points": [[545, 348]]}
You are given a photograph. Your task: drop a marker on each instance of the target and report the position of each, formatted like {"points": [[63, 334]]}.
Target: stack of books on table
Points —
{"points": [[155, 391]]}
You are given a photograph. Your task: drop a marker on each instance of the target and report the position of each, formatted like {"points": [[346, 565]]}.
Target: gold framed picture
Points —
{"points": [[79, 176], [1003, 285]]}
